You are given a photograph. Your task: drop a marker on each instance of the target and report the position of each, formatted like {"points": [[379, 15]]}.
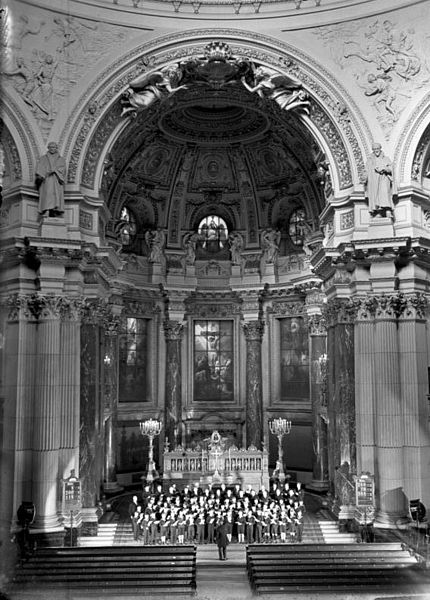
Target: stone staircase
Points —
{"points": [[105, 537], [331, 534]]}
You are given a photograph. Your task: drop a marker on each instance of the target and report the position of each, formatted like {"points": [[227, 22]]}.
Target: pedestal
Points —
{"points": [[380, 227], [53, 227]]}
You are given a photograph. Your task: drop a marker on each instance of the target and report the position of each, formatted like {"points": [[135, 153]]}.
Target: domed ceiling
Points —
{"points": [[218, 148]]}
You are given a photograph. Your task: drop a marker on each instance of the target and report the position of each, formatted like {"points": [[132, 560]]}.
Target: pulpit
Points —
{"points": [[214, 462]]}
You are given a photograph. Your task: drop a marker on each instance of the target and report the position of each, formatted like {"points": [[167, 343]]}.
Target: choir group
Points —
{"points": [[193, 514]]}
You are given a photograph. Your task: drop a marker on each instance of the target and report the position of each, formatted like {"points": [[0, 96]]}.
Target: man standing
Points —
{"points": [[132, 508], [50, 178], [221, 539], [379, 182]]}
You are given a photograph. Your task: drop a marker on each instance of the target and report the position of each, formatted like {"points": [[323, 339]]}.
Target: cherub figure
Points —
{"points": [[284, 90], [149, 87]]}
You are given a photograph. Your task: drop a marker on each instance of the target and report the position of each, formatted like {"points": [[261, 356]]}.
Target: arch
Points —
{"points": [[23, 141], [337, 123], [414, 143]]}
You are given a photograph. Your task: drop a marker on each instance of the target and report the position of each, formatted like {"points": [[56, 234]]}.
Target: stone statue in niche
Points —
{"points": [[378, 182], [270, 240], [156, 241], [50, 178], [145, 89], [236, 243], [287, 92]]}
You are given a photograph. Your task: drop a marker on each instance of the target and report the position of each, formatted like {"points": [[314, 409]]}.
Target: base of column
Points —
{"points": [[112, 487], [384, 520], [48, 538], [317, 485]]}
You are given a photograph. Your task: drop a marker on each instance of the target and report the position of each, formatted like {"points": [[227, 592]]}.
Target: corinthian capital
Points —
{"points": [[173, 330], [253, 330]]}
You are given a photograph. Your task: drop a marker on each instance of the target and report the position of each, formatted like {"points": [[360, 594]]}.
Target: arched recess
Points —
{"points": [[21, 140], [413, 153], [337, 122]]}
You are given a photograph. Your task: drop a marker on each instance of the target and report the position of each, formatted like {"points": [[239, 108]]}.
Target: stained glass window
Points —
{"points": [[133, 358], [213, 233], [213, 360], [128, 226], [297, 226], [294, 359]]}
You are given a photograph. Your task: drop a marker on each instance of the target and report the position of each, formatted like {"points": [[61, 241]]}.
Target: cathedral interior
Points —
{"points": [[191, 231]]}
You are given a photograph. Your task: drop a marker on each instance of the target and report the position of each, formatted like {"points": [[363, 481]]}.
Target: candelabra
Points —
{"points": [[151, 428], [280, 427]]}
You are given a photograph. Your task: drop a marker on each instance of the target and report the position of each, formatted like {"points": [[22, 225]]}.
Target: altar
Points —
{"points": [[214, 462]]}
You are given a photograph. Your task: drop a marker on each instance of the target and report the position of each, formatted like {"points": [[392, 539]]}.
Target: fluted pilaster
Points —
{"points": [[69, 388], [413, 373], [46, 431], [389, 419], [253, 331], [173, 331]]}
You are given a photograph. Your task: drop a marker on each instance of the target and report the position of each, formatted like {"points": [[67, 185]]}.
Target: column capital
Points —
{"points": [[173, 330], [34, 307], [339, 310], [413, 306], [253, 330]]}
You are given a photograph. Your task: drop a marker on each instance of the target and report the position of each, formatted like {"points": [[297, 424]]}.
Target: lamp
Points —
{"points": [[280, 427], [150, 428]]}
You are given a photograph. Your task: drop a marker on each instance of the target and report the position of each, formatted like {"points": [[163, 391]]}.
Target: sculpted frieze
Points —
{"points": [[49, 56], [289, 309], [213, 311], [386, 58]]}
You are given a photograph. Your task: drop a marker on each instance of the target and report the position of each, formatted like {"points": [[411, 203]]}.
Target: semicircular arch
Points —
{"points": [[336, 120]]}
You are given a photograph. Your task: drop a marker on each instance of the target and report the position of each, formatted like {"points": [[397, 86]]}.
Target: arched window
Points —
{"points": [[213, 233], [127, 226], [297, 226]]}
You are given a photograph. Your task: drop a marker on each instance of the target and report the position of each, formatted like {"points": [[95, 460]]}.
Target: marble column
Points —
{"points": [[389, 430], [340, 386], [173, 331], [110, 373], [412, 338], [318, 383], [364, 390], [46, 416], [253, 331]]}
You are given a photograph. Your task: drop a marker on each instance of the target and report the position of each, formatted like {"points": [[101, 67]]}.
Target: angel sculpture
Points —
{"points": [[190, 245], [149, 87], [270, 240], [156, 241], [286, 91], [235, 241]]}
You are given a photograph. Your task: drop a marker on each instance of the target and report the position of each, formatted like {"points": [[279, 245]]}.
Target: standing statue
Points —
{"points": [[144, 90], [190, 245], [50, 178], [270, 240], [287, 92], [235, 241], [379, 182], [156, 241]]}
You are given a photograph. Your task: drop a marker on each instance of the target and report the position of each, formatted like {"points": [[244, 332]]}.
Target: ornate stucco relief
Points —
{"points": [[387, 59], [47, 55]]}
